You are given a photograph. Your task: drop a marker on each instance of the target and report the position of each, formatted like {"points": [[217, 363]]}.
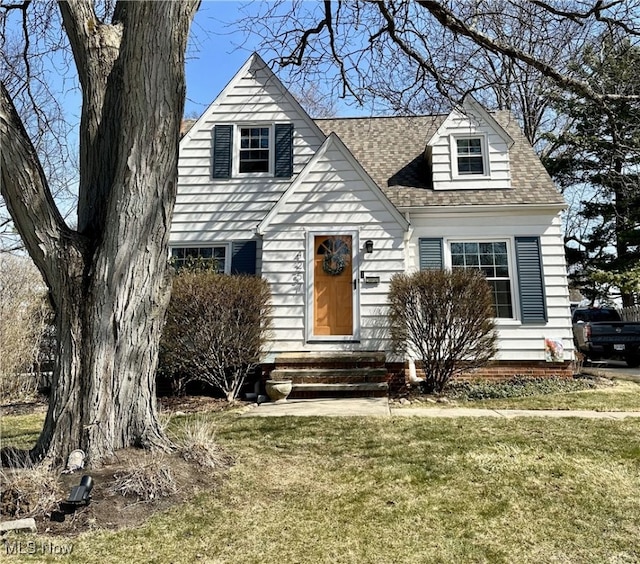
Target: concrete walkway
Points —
{"points": [[508, 413], [379, 407], [325, 407]]}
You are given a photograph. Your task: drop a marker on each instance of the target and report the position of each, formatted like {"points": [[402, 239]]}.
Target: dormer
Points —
{"points": [[470, 150], [248, 149], [254, 132]]}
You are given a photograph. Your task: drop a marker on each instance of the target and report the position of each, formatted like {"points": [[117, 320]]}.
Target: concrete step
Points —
{"points": [[330, 375], [363, 389], [334, 359]]}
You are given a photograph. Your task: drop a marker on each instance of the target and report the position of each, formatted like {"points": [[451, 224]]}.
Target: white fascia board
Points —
{"points": [[266, 221], [523, 209], [470, 105], [244, 71], [332, 140], [386, 202]]}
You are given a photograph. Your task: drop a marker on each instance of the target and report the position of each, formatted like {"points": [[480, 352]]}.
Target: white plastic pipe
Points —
{"points": [[413, 375]]}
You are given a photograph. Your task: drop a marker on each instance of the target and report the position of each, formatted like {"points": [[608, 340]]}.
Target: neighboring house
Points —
{"points": [[329, 210]]}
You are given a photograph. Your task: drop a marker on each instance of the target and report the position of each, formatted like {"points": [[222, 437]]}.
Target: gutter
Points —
{"points": [[483, 209]]}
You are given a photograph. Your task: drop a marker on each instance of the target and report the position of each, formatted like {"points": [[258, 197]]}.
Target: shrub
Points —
{"points": [[216, 329], [24, 318], [445, 318]]}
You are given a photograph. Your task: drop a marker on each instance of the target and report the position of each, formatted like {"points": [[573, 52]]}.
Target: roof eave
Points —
{"points": [[484, 208]]}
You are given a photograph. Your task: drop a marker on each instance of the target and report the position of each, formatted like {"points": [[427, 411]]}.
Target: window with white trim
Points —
{"points": [[216, 255], [492, 259], [258, 149], [254, 152], [470, 155]]}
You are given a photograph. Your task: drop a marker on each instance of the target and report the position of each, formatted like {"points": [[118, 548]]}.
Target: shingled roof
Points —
{"points": [[391, 150]]}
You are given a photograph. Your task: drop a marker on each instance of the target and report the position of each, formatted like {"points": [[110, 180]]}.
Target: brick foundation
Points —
{"points": [[398, 372], [532, 369], [498, 370]]}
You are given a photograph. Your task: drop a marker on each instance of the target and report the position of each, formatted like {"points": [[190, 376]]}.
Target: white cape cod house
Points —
{"points": [[328, 210]]}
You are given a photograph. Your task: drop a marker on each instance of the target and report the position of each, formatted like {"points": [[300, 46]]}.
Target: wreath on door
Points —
{"points": [[333, 263], [335, 251]]}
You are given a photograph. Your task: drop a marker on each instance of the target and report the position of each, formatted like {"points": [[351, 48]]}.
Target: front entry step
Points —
{"points": [[371, 389], [357, 374], [358, 359], [330, 375]]}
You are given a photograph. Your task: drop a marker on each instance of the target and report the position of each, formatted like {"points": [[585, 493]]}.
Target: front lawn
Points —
{"points": [[621, 396], [605, 395], [379, 490]]}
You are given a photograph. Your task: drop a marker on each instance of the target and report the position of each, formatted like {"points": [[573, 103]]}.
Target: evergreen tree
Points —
{"points": [[600, 150]]}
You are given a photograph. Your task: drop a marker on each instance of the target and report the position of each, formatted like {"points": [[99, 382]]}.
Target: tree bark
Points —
{"points": [[108, 282]]}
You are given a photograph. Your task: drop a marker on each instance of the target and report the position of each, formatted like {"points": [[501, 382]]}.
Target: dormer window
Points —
{"points": [[254, 149], [470, 155]]}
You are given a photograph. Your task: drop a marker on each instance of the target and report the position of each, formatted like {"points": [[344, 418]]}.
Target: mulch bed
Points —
{"points": [[107, 510]]}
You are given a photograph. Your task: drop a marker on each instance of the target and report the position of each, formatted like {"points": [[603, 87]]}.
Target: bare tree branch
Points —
{"points": [[29, 44], [34, 212], [406, 48], [412, 54], [95, 46], [450, 21]]}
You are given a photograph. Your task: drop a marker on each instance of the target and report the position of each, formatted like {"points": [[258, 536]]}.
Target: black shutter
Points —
{"points": [[222, 149], [243, 257], [284, 150], [530, 280], [430, 251]]}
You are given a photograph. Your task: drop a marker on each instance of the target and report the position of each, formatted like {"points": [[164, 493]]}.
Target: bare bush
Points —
{"points": [[147, 479], [444, 318], [198, 445], [28, 491], [216, 329], [24, 318]]}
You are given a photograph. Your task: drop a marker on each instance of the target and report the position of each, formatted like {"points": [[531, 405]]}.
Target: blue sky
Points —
{"points": [[216, 52]]}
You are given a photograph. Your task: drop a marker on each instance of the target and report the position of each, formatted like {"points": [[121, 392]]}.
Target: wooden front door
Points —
{"points": [[333, 285]]}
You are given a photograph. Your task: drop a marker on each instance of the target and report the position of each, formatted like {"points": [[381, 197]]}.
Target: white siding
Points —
{"points": [[444, 152], [331, 197], [210, 210], [334, 194], [517, 341]]}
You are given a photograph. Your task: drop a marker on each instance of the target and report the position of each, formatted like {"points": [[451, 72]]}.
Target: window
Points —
{"points": [[216, 255], [262, 149], [492, 260], [254, 149], [500, 269], [470, 156]]}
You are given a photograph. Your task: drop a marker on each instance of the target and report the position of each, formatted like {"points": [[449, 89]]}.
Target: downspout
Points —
{"points": [[413, 376]]}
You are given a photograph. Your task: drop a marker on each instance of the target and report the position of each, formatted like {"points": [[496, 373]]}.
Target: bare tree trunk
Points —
{"points": [[108, 282]]}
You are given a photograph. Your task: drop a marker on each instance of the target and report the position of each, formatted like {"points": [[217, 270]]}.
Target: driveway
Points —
{"points": [[611, 369]]}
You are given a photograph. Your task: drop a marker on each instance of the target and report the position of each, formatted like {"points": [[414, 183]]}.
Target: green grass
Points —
{"points": [[20, 431], [378, 490], [622, 396], [618, 395]]}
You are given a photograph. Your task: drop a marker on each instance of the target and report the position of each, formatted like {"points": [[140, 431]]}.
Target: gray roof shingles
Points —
{"points": [[391, 150]]}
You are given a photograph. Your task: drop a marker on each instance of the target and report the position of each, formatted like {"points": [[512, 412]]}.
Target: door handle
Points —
{"points": [[355, 283]]}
